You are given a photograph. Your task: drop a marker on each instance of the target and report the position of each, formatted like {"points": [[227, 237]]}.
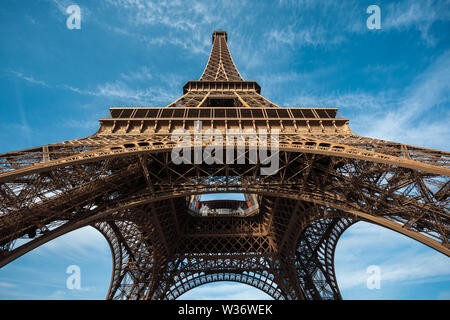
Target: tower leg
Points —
{"points": [[314, 258]]}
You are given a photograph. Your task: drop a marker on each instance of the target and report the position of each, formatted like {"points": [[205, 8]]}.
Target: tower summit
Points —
{"points": [[223, 100], [220, 65], [165, 241]]}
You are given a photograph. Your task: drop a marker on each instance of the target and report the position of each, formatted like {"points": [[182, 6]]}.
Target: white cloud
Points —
{"points": [[143, 74], [415, 115], [318, 23], [121, 91], [7, 285], [349, 100], [401, 260], [225, 291], [410, 268], [181, 24], [79, 244], [408, 120], [335, 21], [419, 15], [62, 5], [313, 35], [28, 78]]}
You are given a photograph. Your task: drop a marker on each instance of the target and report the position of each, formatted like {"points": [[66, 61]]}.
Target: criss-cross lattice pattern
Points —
{"points": [[220, 66], [122, 181]]}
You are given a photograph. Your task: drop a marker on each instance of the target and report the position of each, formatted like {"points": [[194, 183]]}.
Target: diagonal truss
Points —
{"points": [[123, 182]]}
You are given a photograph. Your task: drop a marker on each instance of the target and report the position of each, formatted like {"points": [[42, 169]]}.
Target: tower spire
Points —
{"points": [[220, 66]]}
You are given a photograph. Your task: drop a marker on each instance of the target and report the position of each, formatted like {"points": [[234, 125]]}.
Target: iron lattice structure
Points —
{"points": [[121, 180]]}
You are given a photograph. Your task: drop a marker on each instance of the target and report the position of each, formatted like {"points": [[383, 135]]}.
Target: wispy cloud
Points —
{"points": [[28, 78], [401, 259], [349, 100], [317, 23], [86, 242], [193, 46], [314, 36], [327, 23], [412, 119], [121, 90], [62, 5], [143, 74], [420, 15], [415, 115], [41, 274], [180, 24], [7, 285]]}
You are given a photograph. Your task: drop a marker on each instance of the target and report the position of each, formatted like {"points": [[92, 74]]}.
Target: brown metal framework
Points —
{"points": [[122, 181]]}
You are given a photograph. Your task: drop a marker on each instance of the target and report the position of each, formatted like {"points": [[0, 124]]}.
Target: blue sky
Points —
{"points": [[391, 83]]}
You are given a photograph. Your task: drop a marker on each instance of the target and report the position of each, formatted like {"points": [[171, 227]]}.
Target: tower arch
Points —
{"points": [[123, 181]]}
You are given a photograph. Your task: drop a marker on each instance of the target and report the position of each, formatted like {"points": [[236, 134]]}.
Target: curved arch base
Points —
{"points": [[304, 270]]}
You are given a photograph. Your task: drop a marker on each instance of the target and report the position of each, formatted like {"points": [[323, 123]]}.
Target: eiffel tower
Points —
{"points": [[165, 240]]}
